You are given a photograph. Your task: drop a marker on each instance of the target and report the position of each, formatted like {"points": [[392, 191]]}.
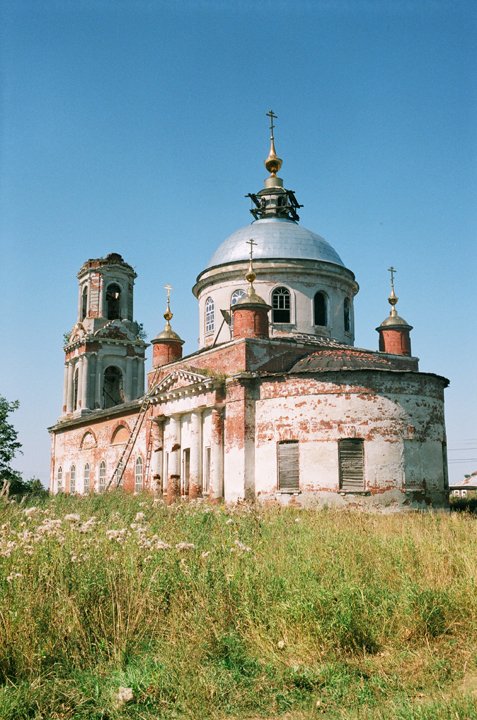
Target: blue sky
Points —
{"points": [[138, 127]]}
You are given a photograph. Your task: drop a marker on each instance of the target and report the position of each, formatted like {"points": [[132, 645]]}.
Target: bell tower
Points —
{"points": [[104, 352]]}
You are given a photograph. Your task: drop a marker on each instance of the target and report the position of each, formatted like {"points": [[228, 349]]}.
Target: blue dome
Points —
{"points": [[277, 238]]}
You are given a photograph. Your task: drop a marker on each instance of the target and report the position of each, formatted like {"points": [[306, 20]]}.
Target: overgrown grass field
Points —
{"points": [[212, 612]]}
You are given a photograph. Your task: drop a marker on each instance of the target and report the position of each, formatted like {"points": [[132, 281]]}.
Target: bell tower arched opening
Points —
{"points": [[112, 387]]}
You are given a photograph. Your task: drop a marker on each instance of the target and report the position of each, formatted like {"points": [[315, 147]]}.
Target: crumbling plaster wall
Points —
{"points": [[69, 450], [400, 417]]}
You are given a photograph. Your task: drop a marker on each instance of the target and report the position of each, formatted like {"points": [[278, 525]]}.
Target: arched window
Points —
{"points": [[73, 480], [346, 311], [138, 475], [118, 477], [59, 479], [209, 315], [75, 389], [281, 305], [113, 296], [320, 309], [120, 436], [236, 296], [112, 387], [84, 302], [102, 477], [86, 476]]}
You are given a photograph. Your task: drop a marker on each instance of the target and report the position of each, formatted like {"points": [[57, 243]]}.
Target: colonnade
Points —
{"points": [[188, 463]]}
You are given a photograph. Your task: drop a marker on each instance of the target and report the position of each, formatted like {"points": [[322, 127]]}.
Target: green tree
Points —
{"points": [[9, 443]]}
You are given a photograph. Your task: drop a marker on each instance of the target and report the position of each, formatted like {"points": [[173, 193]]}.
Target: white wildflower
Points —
{"points": [[229, 521], [205, 554], [72, 518], [13, 576], [124, 695], [118, 535], [139, 516], [185, 546], [281, 644], [241, 546], [30, 511]]}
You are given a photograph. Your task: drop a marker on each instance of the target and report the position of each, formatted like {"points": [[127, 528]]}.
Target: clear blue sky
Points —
{"points": [[138, 126]]}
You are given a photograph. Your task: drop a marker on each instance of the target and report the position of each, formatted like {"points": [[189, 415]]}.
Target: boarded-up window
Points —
{"points": [[288, 466], [138, 475], [351, 460]]}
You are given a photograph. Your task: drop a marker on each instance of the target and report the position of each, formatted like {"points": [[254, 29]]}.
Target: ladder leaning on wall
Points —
{"points": [[117, 476]]}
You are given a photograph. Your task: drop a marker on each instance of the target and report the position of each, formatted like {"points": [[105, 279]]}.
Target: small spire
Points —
{"points": [[168, 315], [250, 275], [393, 298], [273, 163]]}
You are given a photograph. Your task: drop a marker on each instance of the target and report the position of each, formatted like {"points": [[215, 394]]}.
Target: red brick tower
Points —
{"points": [[394, 331]]}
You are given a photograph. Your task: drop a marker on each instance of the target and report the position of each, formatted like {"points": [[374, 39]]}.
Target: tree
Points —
{"points": [[9, 443]]}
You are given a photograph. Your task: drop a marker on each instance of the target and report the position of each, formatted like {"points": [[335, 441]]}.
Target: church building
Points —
{"points": [[276, 404]]}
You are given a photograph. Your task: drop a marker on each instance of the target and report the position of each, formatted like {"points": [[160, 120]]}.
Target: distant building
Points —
{"points": [[468, 487], [275, 405]]}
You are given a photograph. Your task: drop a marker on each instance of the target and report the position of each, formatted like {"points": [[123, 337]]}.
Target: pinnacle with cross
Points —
{"points": [[273, 163], [393, 298], [168, 315], [250, 276]]}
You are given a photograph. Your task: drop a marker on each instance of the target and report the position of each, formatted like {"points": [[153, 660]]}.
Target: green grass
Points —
{"points": [[262, 614]]}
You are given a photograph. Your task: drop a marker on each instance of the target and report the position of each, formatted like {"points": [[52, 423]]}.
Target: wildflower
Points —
{"points": [[205, 554], [185, 546], [124, 695], [139, 516], [229, 521], [161, 545], [72, 518], [13, 576], [118, 535], [30, 511], [242, 547], [281, 644]]}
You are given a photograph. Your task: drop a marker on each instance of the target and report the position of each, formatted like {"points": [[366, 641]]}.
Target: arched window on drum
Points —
{"points": [[281, 305], [320, 309], [209, 316]]}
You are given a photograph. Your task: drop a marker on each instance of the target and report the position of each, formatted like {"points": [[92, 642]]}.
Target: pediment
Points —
{"points": [[181, 382]]}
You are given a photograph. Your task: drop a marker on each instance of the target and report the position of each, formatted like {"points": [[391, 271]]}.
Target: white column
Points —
{"points": [[216, 471], [173, 481], [195, 484], [99, 382], [65, 388], [84, 382], [140, 377], [69, 393], [128, 385], [157, 432]]}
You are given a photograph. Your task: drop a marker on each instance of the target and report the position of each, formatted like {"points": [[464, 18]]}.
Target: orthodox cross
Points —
{"points": [[272, 117], [168, 289], [393, 271], [251, 242]]}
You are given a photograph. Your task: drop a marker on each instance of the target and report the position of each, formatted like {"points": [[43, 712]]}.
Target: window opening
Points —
{"points": [[320, 309], [73, 480], [351, 464], [185, 471], [102, 477], [59, 479], [209, 315], [281, 305], [84, 303], [236, 296], [288, 466], [138, 483], [346, 311], [113, 297], [86, 475], [112, 387]]}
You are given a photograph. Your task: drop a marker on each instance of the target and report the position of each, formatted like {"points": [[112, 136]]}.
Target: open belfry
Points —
{"points": [[275, 405]]}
